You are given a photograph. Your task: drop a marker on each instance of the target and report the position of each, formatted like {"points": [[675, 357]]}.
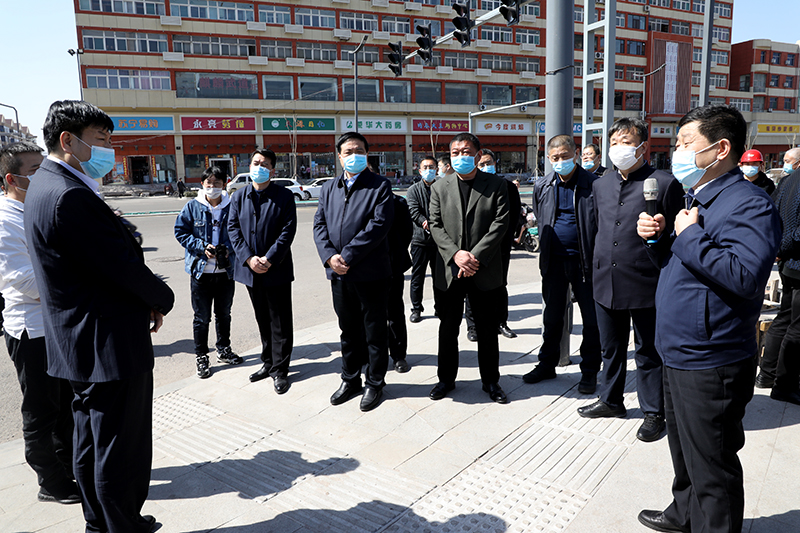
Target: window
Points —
{"points": [[213, 46], [526, 94], [788, 104], [618, 97], [636, 48], [358, 21], [719, 81], [274, 14], [488, 5], [461, 93], [461, 60], [722, 10], [318, 89], [774, 80], [367, 90], [368, 54], [145, 80], [501, 34], [578, 69], [577, 98], [699, 6], [758, 104], [313, 18], [619, 72], [131, 7], [496, 94], [578, 15], [316, 51], [680, 27], [436, 26], [637, 22], [695, 103], [531, 9], [763, 56], [212, 10], [717, 100], [659, 3], [527, 64], [216, 85], [760, 82], [620, 20], [776, 58], [695, 78], [661, 25], [397, 91], [427, 92], [697, 31], [790, 60], [278, 88], [633, 101], [634, 73], [578, 41], [720, 57], [496, 62], [620, 46], [788, 82], [773, 102], [697, 55], [723, 34], [742, 104], [744, 82], [276, 49], [118, 41], [524, 36], [680, 4], [397, 24]]}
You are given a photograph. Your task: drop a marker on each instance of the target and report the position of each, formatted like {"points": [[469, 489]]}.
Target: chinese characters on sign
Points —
{"points": [[376, 125], [218, 123], [304, 125], [125, 124], [452, 126], [661, 131], [778, 128], [506, 127]]}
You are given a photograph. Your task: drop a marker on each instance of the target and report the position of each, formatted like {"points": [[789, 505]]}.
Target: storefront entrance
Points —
{"points": [[139, 169], [225, 164]]}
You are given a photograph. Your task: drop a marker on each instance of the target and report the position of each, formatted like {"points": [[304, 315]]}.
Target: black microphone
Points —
{"points": [[650, 195]]}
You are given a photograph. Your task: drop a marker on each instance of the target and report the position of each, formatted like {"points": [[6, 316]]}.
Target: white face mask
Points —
{"points": [[212, 193], [624, 156]]}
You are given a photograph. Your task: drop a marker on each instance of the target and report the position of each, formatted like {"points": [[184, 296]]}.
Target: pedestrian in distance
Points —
{"points": [[423, 249], [202, 229], [591, 160]]}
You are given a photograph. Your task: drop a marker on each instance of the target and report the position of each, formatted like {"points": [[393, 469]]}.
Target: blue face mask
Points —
{"points": [[787, 168], [429, 174], [685, 169], [259, 174], [355, 163], [588, 165], [490, 169], [563, 168], [100, 162], [463, 164], [749, 170]]}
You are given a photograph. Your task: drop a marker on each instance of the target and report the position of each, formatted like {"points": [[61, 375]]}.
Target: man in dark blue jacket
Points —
{"points": [[708, 301], [624, 277], [423, 249], [261, 225], [353, 219], [564, 207]]}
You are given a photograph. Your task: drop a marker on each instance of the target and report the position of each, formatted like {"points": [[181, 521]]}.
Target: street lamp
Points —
{"points": [[355, 76], [16, 118], [644, 88], [78, 53]]}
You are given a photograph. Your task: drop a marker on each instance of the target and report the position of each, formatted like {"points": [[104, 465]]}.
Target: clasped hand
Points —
{"points": [[259, 265], [467, 263]]}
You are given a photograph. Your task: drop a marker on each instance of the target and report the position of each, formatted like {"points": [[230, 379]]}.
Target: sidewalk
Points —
{"points": [[232, 456]]}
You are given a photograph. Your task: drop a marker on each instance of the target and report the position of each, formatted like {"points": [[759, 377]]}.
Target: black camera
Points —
{"points": [[221, 254]]}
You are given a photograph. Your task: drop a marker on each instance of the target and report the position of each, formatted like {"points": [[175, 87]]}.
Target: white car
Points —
{"points": [[313, 188], [243, 180]]}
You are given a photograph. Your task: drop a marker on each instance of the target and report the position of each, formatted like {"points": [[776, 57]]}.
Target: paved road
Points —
{"points": [[173, 343]]}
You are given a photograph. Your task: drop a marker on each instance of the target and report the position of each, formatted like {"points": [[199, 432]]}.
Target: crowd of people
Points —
{"points": [[683, 258]]}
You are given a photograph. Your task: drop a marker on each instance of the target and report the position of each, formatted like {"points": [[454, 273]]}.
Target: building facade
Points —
{"points": [[11, 132]]}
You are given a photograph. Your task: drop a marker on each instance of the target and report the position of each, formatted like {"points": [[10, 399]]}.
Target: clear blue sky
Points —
{"points": [[37, 70]]}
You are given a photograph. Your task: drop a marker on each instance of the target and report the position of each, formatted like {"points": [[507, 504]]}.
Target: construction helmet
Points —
{"points": [[752, 156]]}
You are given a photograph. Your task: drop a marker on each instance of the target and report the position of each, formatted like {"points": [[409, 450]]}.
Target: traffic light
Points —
{"points": [[510, 11], [425, 42], [396, 58], [463, 24]]}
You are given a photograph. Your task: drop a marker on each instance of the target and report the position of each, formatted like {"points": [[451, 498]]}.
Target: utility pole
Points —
{"points": [[708, 40], [78, 53], [355, 77], [558, 114], [644, 89]]}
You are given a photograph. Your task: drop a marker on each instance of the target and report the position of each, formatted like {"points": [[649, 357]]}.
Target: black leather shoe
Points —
{"points": [[345, 392], [652, 428], [401, 366], [495, 393], [588, 383], [371, 399], [67, 494], [472, 335], [281, 384], [764, 382], [150, 520], [656, 520], [600, 409], [539, 373], [505, 331], [259, 374], [440, 390], [785, 396], [415, 316]]}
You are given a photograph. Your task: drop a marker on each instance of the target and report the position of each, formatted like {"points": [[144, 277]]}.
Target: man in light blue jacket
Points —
{"points": [[202, 229]]}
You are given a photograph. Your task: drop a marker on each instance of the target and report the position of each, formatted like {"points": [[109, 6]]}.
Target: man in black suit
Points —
{"points": [[352, 221], [98, 300], [469, 218], [399, 238], [261, 226], [625, 279], [423, 249]]}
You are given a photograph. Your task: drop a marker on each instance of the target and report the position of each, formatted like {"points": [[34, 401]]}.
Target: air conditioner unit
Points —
{"points": [[599, 55], [646, 9], [793, 111]]}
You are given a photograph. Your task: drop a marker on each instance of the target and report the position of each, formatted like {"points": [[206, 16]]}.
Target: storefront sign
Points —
{"points": [[778, 128], [218, 124], [577, 128], [125, 124], [376, 125], [661, 130], [304, 124], [508, 127], [441, 126]]}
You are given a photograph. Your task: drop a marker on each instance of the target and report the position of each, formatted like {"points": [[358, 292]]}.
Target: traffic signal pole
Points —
{"points": [[558, 114]]}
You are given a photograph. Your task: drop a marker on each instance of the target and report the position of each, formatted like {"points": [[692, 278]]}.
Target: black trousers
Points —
{"points": [[450, 305], [361, 308], [114, 451], [46, 412], [561, 273], [422, 258], [502, 295], [396, 319], [782, 346], [212, 291], [272, 306], [704, 412], [615, 327]]}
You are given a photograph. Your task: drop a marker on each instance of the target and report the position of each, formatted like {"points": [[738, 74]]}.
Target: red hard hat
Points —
{"points": [[752, 156]]}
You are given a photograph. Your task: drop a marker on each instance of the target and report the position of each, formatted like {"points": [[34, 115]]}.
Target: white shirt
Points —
{"points": [[92, 184], [23, 310]]}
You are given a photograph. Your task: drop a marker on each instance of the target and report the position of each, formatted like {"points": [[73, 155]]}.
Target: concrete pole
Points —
{"points": [[558, 114], [705, 64]]}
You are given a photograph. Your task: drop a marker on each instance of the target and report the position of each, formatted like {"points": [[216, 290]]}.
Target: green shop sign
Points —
{"points": [[303, 124]]}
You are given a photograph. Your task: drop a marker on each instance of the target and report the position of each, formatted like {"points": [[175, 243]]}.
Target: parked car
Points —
{"points": [[313, 188], [242, 180]]}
